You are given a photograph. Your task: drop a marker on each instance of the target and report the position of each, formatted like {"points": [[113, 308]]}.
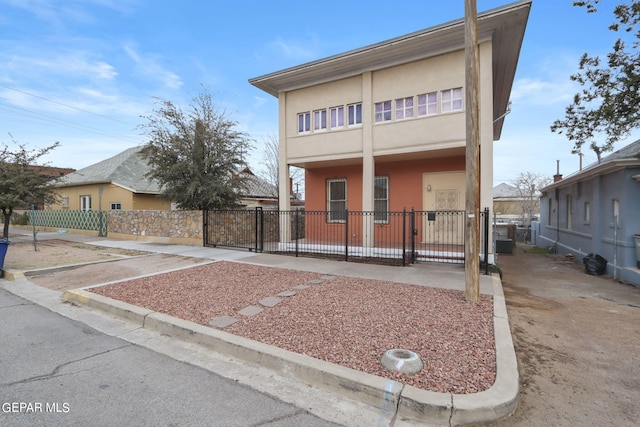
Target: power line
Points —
{"points": [[64, 105], [49, 119]]}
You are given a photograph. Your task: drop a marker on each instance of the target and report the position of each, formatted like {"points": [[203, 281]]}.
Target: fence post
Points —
{"points": [[346, 234], [486, 241], [414, 233], [205, 228], [404, 237], [296, 224]]}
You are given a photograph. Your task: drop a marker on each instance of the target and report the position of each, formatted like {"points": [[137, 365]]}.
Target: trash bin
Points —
{"points": [[4, 245], [595, 265]]}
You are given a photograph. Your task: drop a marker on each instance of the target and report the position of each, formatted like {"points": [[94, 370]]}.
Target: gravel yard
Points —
{"points": [[343, 320]]}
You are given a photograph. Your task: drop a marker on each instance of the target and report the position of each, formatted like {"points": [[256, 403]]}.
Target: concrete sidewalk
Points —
{"points": [[410, 406]]}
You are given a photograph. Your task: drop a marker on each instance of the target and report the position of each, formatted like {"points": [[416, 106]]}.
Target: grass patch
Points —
{"points": [[536, 250]]}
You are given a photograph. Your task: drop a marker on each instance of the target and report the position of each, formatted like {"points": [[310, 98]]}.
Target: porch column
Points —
{"points": [[284, 186], [368, 162]]}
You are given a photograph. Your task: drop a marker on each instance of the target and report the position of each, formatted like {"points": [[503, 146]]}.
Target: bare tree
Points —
{"points": [[528, 185], [271, 163]]}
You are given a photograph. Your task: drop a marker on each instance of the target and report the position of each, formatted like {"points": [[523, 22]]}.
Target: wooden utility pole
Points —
{"points": [[472, 220]]}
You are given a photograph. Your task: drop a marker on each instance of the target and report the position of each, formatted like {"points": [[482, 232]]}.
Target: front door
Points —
{"points": [[443, 196]]}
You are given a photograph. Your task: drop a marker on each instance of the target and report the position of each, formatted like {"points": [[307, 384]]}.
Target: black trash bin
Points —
{"points": [[595, 265]]}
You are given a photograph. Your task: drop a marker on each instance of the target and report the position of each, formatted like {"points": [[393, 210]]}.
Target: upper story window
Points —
{"points": [[304, 122], [354, 113], [383, 111], [404, 108], [427, 104], [452, 100], [337, 117], [319, 120]]}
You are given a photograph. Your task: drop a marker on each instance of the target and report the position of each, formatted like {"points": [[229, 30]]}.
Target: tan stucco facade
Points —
{"points": [[107, 196], [371, 143]]}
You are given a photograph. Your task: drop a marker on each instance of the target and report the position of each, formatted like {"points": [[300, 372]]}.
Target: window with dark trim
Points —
{"points": [[336, 200], [381, 199]]}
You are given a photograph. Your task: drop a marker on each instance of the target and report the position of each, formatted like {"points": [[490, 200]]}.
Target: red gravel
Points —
{"points": [[344, 320]]}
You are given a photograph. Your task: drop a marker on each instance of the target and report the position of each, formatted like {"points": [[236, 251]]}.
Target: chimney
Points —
{"points": [[557, 177]]}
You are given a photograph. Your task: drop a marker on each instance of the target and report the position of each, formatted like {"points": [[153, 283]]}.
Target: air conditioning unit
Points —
{"points": [[504, 246]]}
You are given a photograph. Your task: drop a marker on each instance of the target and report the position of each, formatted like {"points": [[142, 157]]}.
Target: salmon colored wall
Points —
{"points": [[405, 192], [316, 186], [405, 182]]}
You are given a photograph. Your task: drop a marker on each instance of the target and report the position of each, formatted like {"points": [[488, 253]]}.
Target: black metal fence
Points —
{"points": [[398, 238]]}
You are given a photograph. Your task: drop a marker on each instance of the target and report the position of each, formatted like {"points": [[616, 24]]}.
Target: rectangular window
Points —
{"points": [[427, 104], [383, 111], [337, 117], [354, 111], [381, 199], [65, 201], [616, 211], [319, 120], [304, 122], [336, 200], [116, 206], [569, 212], [452, 100], [587, 212], [550, 211], [404, 108], [85, 203]]}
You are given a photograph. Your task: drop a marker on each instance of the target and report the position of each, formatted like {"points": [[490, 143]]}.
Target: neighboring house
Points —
{"points": [[507, 203], [261, 193], [120, 182], [513, 207], [597, 210], [382, 128]]}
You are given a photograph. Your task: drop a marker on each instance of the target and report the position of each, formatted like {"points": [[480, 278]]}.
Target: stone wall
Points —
{"points": [[156, 225]]}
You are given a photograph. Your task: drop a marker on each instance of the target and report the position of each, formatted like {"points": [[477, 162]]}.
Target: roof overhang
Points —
{"points": [[504, 26], [598, 170]]}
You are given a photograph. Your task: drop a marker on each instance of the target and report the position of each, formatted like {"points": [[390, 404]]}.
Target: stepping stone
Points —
{"points": [[301, 287], [222, 322], [315, 282], [251, 310], [270, 301], [328, 277], [286, 294]]}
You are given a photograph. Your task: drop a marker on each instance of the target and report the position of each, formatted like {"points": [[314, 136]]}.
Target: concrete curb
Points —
{"points": [[412, 406]]}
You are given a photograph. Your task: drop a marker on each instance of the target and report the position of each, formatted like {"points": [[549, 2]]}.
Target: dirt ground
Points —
{"points": [[577, 342], [106, 264]]}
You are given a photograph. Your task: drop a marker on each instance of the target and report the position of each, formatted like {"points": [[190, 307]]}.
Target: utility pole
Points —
{"points": [[472, 220]]}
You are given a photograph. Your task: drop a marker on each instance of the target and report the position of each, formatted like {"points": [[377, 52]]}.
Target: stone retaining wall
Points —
{"points": [[166, 226]]}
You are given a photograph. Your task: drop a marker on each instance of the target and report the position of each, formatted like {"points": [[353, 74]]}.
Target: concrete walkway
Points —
{"points": [[389, 402]]}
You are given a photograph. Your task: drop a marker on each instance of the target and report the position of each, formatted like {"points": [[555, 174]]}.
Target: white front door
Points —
{"points": [[444, 193]]}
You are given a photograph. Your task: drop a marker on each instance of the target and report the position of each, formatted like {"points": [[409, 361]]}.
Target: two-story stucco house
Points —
{"points": [[382, 128]]}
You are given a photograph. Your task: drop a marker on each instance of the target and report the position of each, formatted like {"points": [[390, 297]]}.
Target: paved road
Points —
{"points": [[577, 341], [55, 371]]}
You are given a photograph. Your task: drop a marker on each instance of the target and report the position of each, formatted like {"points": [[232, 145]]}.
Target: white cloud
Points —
{"points": [[149, 66]]}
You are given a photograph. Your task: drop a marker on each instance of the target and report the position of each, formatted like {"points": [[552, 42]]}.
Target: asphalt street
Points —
{"points": [[56, 371]]}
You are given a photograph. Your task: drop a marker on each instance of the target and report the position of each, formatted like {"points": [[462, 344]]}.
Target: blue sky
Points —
{"points": [[83, 72]]}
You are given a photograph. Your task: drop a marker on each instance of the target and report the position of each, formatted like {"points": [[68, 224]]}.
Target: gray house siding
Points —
{"points": [[578, 216]]}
